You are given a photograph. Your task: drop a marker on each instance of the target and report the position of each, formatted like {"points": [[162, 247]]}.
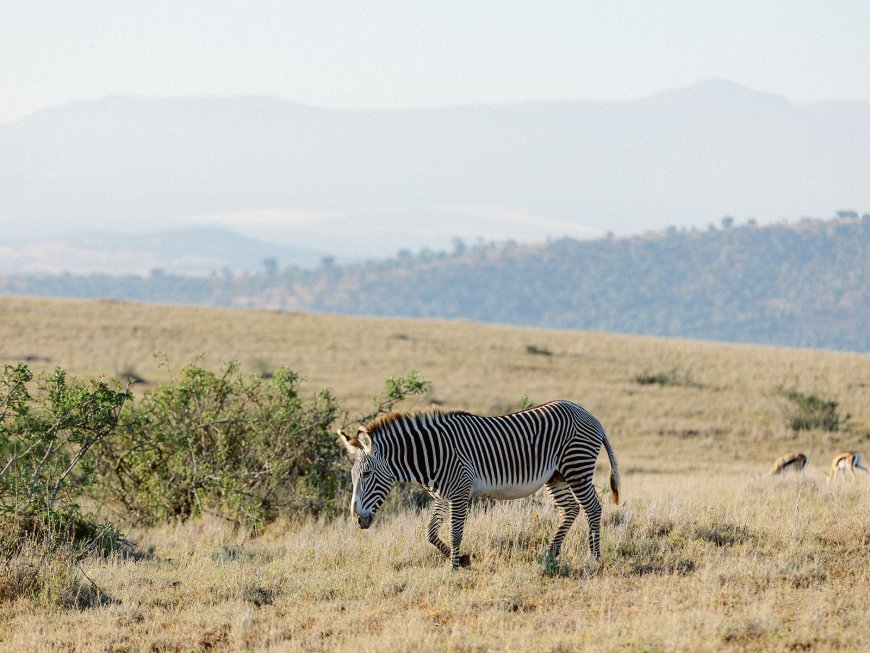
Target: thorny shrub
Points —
{"points": [[242, 447], [49, 429]]}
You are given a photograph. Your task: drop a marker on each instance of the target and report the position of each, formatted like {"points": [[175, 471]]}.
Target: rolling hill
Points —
{"points": [[803, 284]]}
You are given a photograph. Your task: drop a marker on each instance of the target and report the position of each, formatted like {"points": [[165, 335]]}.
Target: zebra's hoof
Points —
{"points": [[465, 560]]}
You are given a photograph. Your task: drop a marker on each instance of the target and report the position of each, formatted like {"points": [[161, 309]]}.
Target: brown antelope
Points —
{"points": [[844, 460], [789, 461]]}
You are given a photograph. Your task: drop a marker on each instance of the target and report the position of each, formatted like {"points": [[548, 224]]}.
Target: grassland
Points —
{"points": [[706, 553]]}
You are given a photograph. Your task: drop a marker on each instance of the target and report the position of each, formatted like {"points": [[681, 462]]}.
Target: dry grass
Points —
{"points": [[705, 554], [736, 563]]}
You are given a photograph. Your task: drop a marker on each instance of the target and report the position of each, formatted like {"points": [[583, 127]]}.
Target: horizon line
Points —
{"points": [[428, 106]]}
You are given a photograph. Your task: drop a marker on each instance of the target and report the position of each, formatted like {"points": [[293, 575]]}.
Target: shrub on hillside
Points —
{"points": [[805, 412], [243, 447], [48, 433]]}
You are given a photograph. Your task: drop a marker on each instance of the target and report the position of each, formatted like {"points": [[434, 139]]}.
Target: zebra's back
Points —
{"points": [[512, 456]]}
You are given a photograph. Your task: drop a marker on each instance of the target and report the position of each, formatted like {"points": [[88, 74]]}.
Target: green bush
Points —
{"points": [[805, 412], [396, 389], [242, 447], [49, 430]]}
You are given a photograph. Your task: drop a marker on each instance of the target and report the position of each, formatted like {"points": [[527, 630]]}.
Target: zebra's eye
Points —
{"points": [[367, 473]]}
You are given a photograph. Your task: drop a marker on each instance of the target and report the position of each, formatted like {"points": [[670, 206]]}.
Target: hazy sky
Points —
{"points": [[400, 54]]}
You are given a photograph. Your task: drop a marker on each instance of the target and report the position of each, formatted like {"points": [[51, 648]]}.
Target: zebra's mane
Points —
{"points": [[434, 414]]}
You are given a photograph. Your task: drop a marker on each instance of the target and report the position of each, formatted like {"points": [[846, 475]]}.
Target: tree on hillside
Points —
{"points": [[801, 284]]}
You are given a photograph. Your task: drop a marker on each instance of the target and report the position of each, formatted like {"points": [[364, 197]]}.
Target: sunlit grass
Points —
{"points": [[705, 553], [775, 564]]}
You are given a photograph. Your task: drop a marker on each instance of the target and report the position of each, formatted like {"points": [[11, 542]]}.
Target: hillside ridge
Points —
{"points": [[799, 285]]}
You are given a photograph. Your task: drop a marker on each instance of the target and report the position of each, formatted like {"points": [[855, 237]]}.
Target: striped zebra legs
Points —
{"points": [[568, 507], [458, 513], [585, 493], [439, 511]]}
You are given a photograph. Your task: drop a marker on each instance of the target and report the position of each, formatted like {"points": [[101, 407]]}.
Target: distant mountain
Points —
{"points": [[804, 284], [362, 184], [192, 251]]}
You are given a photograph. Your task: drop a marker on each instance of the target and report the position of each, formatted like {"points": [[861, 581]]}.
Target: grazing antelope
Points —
{"points": [[456, 455], [789, 462], [844, 460]]}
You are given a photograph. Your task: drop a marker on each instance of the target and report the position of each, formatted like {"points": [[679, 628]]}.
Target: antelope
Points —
{"points": [[789, 461], [843, 460]]}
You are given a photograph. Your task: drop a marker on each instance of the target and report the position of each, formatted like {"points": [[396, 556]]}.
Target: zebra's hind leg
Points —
{"points": [[585, 493], [439, 511], [568, 507]]}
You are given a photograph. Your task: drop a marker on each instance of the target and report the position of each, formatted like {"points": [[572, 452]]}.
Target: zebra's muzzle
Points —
{"points": [[364, 521]]}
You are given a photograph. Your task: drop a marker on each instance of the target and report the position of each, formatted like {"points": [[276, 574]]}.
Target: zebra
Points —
{"points": [[456, 455]]}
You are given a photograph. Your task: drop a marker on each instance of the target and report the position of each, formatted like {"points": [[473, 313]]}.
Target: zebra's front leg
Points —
{"points": [[439, 511], [568, 507], [458, 513]]}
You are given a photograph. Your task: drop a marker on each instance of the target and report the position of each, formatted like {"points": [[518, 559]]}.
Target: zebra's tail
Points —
{"points": [[614, 468]]}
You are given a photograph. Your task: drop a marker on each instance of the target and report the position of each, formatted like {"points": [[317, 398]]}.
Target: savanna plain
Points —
{"points": [[706, 551]]}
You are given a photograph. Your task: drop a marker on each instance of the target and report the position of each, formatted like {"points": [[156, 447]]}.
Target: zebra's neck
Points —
{"points": [[411, 443]]}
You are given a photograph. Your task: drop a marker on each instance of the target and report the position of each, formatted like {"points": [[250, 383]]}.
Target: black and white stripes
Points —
{"points": [[457, 455]]}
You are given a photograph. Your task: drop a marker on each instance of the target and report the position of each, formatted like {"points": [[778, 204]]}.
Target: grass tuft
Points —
{"points": [[536, 350], [671, 377]]}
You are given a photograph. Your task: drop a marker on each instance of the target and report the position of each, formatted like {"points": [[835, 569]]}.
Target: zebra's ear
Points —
{"points": [[352, 444], [363, 437]]}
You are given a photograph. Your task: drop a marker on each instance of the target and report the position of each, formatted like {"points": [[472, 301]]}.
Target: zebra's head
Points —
{"points": [[370, 474]]}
